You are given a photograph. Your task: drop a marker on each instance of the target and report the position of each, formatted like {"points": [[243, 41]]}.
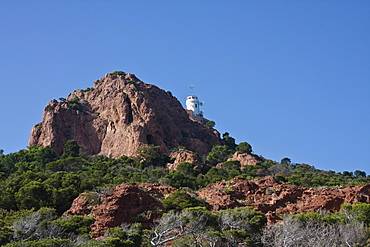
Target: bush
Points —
{"points": [[151, 156], [74, 100], [218, 154], [229, 141], [71, 149], [118, 72], [88, 89], [210, 124], [244, 147], [74, 104], [179, 200], [49, 108], [313, 229], [47, 242]]}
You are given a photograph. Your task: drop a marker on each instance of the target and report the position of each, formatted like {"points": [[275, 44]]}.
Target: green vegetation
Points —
{"points": [[118, 72], [179, 200], [219, 154], [244, 147], [71, 149], [211, 124], [49, 108], [89, 89], [36, 187], [347, 227], [75, 104], [196, 226]]}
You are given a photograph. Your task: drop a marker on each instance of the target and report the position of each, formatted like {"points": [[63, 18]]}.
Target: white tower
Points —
{"points": [[193, 104]]}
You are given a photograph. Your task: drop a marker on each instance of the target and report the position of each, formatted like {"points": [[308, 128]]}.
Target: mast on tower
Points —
{"points": [[191, 89]]}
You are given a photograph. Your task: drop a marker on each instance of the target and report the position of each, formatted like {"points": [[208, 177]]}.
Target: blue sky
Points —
{"points": [[292, 78]]}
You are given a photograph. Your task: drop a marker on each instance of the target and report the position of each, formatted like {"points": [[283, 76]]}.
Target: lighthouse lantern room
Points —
{"points": [[193, 104]]}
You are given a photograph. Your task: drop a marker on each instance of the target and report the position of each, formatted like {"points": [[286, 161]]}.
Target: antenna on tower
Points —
{"points": [[191, 88]]}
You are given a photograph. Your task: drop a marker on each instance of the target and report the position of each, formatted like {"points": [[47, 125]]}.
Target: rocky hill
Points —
{"points": [[118, 116]]}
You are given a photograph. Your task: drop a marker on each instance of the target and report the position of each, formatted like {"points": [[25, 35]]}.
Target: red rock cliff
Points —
{"points": [[119, 115]]}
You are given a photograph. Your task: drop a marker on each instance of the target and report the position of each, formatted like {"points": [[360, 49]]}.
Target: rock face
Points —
{"points": [[124, 204], [142, 203], [119, 115], [244, 159], [181, 156], [268, 195]]}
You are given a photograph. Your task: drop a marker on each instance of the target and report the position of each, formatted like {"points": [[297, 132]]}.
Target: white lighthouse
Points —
{"points": [[193, 104]]}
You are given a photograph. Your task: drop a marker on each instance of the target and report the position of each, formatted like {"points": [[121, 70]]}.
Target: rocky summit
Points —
{"points": [[119, 115]]}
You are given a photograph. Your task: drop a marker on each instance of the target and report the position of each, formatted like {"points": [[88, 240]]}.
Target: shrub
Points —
{"points": [[88, 89], [74, 100], [71, 149], [49, 108], [118, 72], [74, 104], [210, 124], [179, 200], [218, 154], [313, 229], [244, 147]]}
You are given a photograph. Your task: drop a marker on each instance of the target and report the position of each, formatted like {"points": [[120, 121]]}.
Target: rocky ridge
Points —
{"points": [[142, 202], [118, 116], [266, 194]]}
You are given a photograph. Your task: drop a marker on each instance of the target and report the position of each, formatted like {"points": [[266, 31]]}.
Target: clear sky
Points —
{"points": [[292, 78]]}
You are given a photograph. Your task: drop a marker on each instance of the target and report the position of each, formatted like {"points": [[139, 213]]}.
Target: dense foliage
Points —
{"points": [[36, 187]]}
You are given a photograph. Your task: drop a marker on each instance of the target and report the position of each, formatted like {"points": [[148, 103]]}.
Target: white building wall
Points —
{"points": [[193, 104]]}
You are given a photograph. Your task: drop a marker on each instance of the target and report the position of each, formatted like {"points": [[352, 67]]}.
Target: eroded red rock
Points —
{"points": [[142, 202], [268, 195], [120, 115], [245, 159], [183, 155], [123, 204]]}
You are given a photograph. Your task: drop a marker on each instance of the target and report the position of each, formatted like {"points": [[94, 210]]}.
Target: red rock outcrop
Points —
{"points": [[119, 115], [272, 218], [156, 190], [181, 156], [81, 205], [140, 203], [123, 204], [244, 159], [268, 195]]}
